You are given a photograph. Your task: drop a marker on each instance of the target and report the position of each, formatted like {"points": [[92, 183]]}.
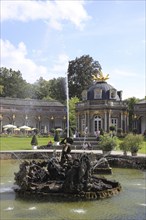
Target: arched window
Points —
{"points": [[97, 123]]}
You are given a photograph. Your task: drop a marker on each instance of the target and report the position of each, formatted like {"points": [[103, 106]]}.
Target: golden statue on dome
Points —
{"points": [[100, 77]]}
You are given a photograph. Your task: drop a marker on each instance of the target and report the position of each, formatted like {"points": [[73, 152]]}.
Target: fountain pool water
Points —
{"points": [[130, 204]]}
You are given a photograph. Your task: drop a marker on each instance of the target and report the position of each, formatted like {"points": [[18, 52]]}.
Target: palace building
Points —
{"points": [[43, 115], [101, 107], [139, 120]]}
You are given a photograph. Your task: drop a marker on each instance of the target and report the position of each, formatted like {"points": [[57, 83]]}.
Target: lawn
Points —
{"points": [[23, 143], [143, 149]]}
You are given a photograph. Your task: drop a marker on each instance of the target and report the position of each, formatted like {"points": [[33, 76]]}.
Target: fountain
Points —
{"points": [[130, 204], [66, 177]]}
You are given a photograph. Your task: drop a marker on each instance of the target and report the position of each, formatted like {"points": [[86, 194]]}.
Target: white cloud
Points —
{"points": [[51, 11], [60, 66], [16, 58]]}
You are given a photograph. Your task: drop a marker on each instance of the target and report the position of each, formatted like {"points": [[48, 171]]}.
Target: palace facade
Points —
{"points": [[43, 115], [139, 120], [100, 108]]}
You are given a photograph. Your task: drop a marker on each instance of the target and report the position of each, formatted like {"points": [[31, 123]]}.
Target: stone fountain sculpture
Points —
{"points": [[64, 177]]}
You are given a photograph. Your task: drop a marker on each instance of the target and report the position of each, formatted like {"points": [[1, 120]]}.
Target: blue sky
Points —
{"points": [[39, 38]]}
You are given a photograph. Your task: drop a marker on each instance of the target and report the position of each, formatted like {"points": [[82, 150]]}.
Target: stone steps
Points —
{"points": [[79, 143]]}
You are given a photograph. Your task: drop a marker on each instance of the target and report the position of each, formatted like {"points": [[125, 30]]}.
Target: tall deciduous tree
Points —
{"points": [[131, 102], [72, 114], [13, 84], [57, 88], [41, 89], [80, 73]]}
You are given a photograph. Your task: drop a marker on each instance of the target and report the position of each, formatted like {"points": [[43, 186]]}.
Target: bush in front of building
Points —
{"points": [[120, 133], [107, 143], [112, 128], [132, 143], [134, 131]]}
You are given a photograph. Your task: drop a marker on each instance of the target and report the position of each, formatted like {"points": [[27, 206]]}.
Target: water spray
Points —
{"points": [[67, 97]]}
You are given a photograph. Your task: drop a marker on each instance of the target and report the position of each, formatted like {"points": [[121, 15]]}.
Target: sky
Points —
{"points": [[40, 37]]}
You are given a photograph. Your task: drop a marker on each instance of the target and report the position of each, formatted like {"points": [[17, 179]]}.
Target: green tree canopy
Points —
{"points": [[131, 102], [13, 85], [41, 89], [57, 89], [80, 73], [72, 114]]}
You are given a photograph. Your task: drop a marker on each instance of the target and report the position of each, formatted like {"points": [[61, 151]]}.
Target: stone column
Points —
{"points": [[125, 121], [105, 121], [122, 120], [109, 119]]}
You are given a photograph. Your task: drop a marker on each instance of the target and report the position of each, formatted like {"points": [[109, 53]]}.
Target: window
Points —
{"points": [[97, 123], [113, 94], [114, 122], [97, 93]]}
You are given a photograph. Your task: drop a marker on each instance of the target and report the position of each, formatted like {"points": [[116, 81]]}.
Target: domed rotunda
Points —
{"points": [[101, 107]]}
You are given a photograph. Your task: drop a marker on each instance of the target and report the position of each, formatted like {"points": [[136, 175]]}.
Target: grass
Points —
{"points": [[23, 143], [143, 148]]}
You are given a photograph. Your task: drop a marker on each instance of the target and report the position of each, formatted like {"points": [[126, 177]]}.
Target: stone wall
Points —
{"points": [[121, 161], [137, 162]]}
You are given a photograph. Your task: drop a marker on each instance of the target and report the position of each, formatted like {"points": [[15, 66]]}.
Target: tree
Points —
{"points": [[57, 89], [1, 89], [72, 115], [12, 84], [41, 89], [80, 73], [131, 102]]}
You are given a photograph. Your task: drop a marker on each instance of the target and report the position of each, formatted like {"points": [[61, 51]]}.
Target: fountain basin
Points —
{"points": [[71, 179], [129, 204]]}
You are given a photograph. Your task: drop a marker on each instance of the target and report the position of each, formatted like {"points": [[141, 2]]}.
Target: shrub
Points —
{"points": [[134, 130], [34, 140], [101, 132], [132, 143], [56, 136], [107, 143], [120, 132], [124, 147], [112, 128]]}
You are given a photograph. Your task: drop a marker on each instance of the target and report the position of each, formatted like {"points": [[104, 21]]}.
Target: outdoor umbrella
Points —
{"points": [[58, 129], [9, 126], [16, 129], [33, 129], [25, 127], [28, 129]]}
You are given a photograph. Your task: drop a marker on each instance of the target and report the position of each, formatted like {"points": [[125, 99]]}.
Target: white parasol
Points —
{"points": [[9, 126], [25, 127], [16, 129], [58, 129]]}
